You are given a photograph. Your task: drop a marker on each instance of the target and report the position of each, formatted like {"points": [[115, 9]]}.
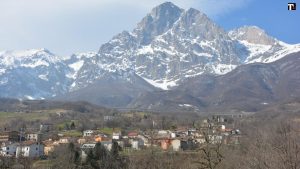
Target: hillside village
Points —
{"points": [[40, 143]]}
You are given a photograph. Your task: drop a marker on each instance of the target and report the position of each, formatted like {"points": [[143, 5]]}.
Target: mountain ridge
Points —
{"points": [[168, 46], [250, 87]]}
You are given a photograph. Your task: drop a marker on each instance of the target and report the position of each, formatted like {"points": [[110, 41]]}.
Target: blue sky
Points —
{"points": [[70, 26], [276, 19]]}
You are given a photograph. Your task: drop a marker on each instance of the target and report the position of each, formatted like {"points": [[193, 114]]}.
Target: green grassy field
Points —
{"points": [[72, 133], [109, 131], [8, 116]]}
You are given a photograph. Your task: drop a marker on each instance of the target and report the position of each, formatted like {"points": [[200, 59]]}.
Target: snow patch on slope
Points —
{"points": [[2, 71], [164, 85], [77, 65], [145, 50], [222, 69], [185, 105], [43, 77], [289, 49], [255, 49], [35, 64], [29, 97], [286, 50], [189, 106], [203, 54], [3, 81]]}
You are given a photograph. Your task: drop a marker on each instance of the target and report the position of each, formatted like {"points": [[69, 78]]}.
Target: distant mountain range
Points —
{"points": [[249, 87], [173, 60]]}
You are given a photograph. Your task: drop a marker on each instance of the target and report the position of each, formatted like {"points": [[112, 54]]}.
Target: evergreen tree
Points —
{"points": [[72, 126], [115, 150], [100, 152]]}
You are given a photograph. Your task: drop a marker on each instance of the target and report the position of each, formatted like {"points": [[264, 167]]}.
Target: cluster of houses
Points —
{"points": [[37, 144], [19, 143]]}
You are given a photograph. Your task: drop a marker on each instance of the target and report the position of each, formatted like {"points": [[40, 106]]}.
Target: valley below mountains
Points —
{"points": [[174, 60]]}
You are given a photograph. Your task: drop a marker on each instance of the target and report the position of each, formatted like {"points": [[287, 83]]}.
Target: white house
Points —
{"points": [[215, 139], [173, 135], [30, 149], [34, 136], [116, 135], [9, 149], [88, 133], [176, 144], [135, 144]]}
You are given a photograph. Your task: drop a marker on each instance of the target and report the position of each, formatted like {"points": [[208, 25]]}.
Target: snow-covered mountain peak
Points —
{"points": [[193, 11], [167, 46], [158, 21], [27, 53], [32, 74], [252, 34], [28, 58], [196, 24], [164, 10], [262, 47]]}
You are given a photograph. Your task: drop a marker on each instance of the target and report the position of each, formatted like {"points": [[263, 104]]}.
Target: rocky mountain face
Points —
{"points": [[170, 45], [167, 48]]}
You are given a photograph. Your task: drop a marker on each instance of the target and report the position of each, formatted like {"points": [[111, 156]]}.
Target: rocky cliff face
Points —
{"points": [[170, 45], [167, 46]]}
